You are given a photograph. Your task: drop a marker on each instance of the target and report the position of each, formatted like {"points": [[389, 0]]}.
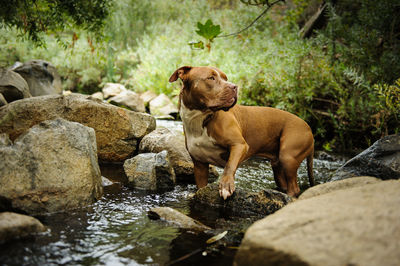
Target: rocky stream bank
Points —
{"points": [[56, 153]]}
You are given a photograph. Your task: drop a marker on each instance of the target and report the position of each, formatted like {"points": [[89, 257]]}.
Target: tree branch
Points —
{"points": [[269, 5]]}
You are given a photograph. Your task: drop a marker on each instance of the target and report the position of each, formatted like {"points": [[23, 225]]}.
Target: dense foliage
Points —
{"points": [[342, 87], [32, 18]]}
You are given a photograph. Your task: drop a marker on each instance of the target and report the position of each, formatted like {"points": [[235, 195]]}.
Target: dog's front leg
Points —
{"points": [[236, 156], [200, 173]]}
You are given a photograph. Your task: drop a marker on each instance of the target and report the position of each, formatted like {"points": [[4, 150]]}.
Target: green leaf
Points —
{"points": [[208, 30]]}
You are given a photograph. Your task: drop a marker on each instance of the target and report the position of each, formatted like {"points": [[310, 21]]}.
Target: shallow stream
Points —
{"points": [[117, 231]]}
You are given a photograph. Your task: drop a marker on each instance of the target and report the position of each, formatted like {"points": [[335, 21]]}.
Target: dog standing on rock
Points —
{"points": [[220, 132]]}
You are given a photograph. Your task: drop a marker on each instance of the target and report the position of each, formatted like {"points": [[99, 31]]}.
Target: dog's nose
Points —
{"points": [[235, 88]]}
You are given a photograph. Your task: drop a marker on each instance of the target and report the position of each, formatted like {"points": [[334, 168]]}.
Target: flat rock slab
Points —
{"points": [[177, 218], [381, 160], [14, 225], [241, 203], [356, 226], [117, 129]]}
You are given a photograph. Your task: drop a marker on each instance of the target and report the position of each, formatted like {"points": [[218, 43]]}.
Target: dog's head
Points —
{"points": [[205, 88]]}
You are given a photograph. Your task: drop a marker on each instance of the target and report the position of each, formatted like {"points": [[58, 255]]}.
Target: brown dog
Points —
{"points": [[221, 133]]}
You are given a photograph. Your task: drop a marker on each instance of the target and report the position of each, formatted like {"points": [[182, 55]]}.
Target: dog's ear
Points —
{"points": [[180, 73]]}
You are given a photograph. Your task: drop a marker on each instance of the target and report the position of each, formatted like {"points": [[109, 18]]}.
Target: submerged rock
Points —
{"points": [[117, 129], [52, 167], [241, 203], [381, 160], [177, 218], [174, 142], [14, 225], [355, 226], [150, 171], [42, 77], [12, 87]]}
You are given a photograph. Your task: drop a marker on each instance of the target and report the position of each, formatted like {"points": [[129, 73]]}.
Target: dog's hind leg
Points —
{"points": [[279, 176]]}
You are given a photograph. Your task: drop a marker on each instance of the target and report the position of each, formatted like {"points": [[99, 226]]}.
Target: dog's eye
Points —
{"points": [[211, 78]]}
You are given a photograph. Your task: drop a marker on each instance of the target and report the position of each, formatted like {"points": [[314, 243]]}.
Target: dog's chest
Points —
{"points": [[201, 146]]}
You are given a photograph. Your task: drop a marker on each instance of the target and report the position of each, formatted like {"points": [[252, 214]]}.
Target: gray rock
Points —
{"points": [[12, 86], [117, 129], [13, 225], [112, 89], [3, 100], [52, 167], [162, 106], [174, 142], [241, 203], [129, 99], [150, 171], [338, 185], [356, 226], [381, 160], [147, 96], [177, 218], [42, 77], [98, 95]]}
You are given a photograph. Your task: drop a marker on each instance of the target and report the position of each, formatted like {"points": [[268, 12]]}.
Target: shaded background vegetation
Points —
{"points": [[343, 80]]}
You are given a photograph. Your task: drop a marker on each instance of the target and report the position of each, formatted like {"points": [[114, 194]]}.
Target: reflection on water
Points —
{"points": [[116, 230]]}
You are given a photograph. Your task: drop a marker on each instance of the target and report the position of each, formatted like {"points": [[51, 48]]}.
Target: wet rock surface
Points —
{"points": [[117, 130], [150, 171], [14, 225], [355, 226], [176, 218], [241, 203], [52, 167], [381, 160]]}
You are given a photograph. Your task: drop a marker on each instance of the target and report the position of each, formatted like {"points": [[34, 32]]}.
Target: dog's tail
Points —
{"points": [[310, 171]]}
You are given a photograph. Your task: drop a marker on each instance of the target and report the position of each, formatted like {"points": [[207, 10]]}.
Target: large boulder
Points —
{"points": [[163, 106], [150, 171], [381, 160], [14, 225], [117, 129], [42, 77], [338, 185], [174, 142], [355, 226], [52, 167], [242, 203], [12, 86], [129, 99]]}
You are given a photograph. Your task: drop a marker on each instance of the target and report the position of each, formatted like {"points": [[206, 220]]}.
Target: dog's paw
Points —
{"points": [[226, 189], [224, 193]]}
